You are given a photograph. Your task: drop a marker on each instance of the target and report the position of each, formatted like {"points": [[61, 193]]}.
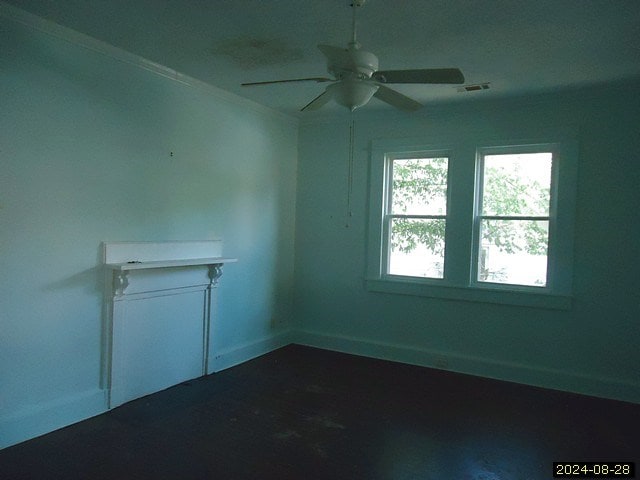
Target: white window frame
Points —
{"points": [[388, 215], [462, 229], [551, 217]]}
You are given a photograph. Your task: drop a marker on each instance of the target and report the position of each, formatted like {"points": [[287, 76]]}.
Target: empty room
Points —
{"points": [[319, 240]]}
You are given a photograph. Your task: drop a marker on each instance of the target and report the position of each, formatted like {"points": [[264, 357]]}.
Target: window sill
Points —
{"points": [[502, 296]]}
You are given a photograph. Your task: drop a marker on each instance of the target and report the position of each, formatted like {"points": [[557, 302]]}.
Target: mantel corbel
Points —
{"points": [[215, 272], [120, 282]]}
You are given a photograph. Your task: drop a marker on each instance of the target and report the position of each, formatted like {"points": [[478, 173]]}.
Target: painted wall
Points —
{"points": [[592, 348], [93, 149]]}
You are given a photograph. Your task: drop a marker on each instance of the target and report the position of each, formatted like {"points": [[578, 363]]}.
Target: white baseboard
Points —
{"points": [[611, 388], [34, 421], [31, 422], [236, 355]]}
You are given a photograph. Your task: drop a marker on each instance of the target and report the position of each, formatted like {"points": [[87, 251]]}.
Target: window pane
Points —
{"points": [[517, 184], [514, 252], [419, 186], [417, 247]]}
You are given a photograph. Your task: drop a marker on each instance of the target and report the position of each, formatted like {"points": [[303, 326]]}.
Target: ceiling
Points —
{"points": [[517, 46]]}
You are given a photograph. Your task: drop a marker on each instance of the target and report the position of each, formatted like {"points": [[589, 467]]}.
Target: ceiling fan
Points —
{"points": [[357, 78]]}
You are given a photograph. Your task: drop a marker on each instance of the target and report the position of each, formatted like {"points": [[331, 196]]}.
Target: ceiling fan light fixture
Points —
{"points": [[353, 93], [356, 77]]}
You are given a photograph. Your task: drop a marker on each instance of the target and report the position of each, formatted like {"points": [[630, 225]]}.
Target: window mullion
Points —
{"points": [[477, 216], [387, 219], [460, 215]]}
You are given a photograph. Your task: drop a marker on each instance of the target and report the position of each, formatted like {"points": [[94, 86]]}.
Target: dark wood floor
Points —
{"points": [[303, 413]]}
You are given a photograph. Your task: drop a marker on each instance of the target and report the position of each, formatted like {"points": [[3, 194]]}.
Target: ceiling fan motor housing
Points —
{"points": [[358, 63], [356, 77]]}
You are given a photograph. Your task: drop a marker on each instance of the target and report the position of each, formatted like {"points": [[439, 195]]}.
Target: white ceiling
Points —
{"points": [[519, 46]]}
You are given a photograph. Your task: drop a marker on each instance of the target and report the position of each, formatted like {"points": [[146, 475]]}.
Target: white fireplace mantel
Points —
{"points": [[160, 303], [137, 265], [121, 270]]}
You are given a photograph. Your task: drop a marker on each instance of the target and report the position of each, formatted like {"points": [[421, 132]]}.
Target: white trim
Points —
{"points": [[98, 46], [35, 420], [493, 293], [123, 252], [236, 355], [550, 286], [461, 252], [550, 378], [389, 216]]}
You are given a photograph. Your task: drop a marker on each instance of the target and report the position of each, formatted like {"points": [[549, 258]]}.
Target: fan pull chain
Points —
{"points": [[352, 129]]}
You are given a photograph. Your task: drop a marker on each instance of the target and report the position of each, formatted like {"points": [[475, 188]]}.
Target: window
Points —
{"points": [[482, 223], [514, 198], [415, 216]]}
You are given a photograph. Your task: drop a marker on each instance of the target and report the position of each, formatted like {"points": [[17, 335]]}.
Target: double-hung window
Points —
{"points": [[490, 223], [416, 215], [513, 213]]}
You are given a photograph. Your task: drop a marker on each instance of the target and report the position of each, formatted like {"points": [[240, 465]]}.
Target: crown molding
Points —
{"points": [[82, 40]]}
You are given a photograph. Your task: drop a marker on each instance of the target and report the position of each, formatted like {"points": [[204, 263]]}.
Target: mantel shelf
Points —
{"points": [[122, 267]]}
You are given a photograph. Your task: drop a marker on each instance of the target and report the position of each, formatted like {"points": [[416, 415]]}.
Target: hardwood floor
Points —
{"points": [[304, 413]]}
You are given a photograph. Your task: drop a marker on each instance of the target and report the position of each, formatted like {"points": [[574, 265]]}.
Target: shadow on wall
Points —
{"points": [[91, 279]]}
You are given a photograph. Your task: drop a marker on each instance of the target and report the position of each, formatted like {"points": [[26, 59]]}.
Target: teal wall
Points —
{"points": [[591, 348], [85, 147]]}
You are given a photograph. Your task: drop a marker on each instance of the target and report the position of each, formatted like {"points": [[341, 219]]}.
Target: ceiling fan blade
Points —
{"points": [[310, 79], [319, 101], [429, 75], [396, 99]]}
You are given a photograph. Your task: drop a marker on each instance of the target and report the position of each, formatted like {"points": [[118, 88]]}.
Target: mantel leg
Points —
{"points": [[215, 272]]}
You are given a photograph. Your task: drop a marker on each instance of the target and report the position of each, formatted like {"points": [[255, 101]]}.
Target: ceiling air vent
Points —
{"points": [[474, 88]]}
